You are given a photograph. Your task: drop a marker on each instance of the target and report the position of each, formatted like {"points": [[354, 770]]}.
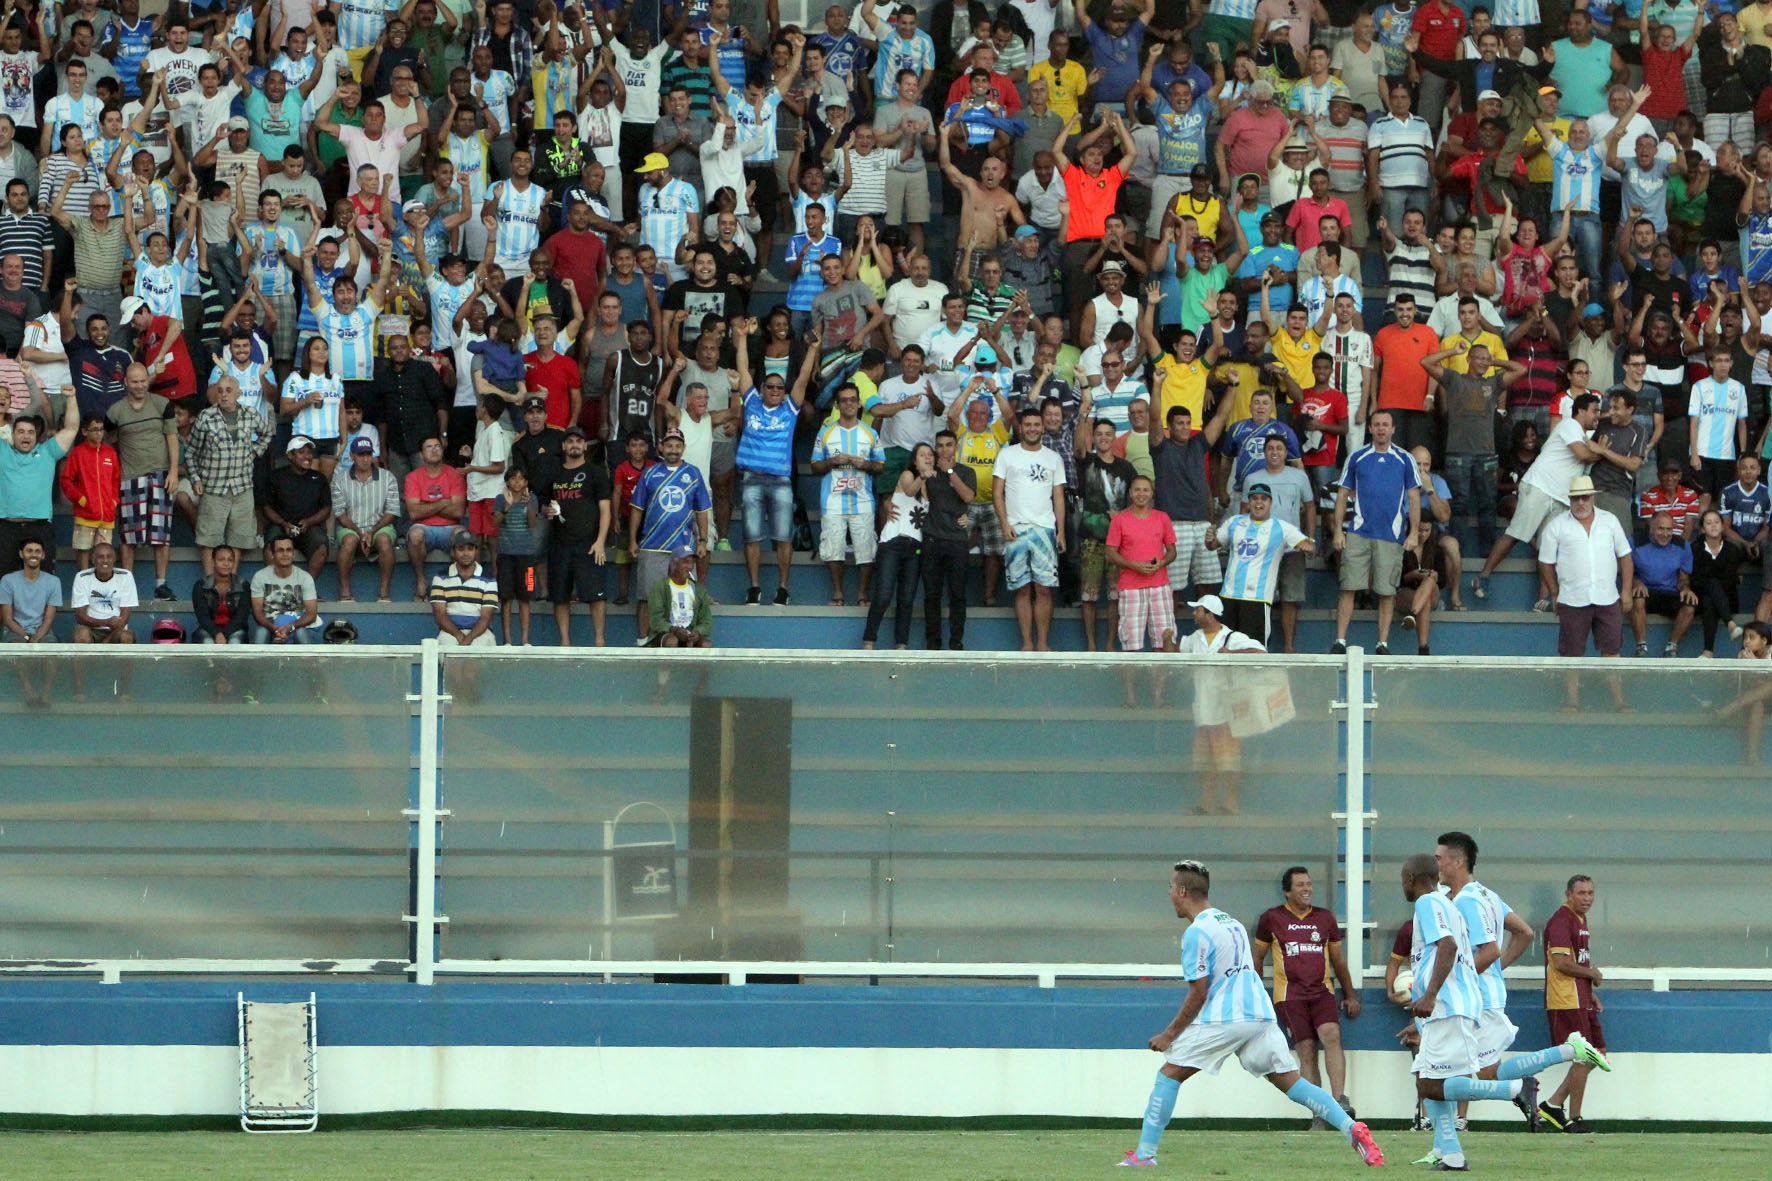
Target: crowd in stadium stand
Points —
{"points": [[1101, 303]]}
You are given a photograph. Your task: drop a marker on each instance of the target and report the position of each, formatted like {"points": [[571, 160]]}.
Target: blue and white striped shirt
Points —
{"points": [[767, 444], [1484, 913], [1216, 947], [664, 219], [251, 378], [1460, 996], [847, 491], [160, 286], [519, 218], [1715, 408], [316, 422], [753, 126], [1254, 549], [1575, 176], [808, 283], [309, 320], [274, 275], [351, 341], [360, 22]]}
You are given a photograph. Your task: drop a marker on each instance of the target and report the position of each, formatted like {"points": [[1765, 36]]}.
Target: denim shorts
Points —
{"points": [[774, 493], [439, 536]]}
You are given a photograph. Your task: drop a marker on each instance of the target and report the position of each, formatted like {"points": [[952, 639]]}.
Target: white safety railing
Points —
{"points": [[427, 812]]}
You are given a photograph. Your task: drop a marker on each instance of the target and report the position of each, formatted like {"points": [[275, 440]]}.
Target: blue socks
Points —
{"points": [[1157, 1113], [1459, 1089], [1525, 1065], [1321, 1103], [1444, 1115]]}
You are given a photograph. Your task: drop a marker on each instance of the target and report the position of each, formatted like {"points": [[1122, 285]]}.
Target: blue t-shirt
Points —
{"points": [[1246, 444], [1279, 298], [667, 500], [1380, 482], [1182, 136], [767, 445], [1747, 512], [27, 480], [840, 54], [1118, 60], [498, 360], [1658, 566], [30, 599]]}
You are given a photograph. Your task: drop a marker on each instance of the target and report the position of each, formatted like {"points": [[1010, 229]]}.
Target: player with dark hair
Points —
{"points": [[1569, 982], [1486, 917], [1226, 1012], [1306, 942]]}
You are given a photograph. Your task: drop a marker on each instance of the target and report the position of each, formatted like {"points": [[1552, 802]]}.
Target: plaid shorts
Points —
{"points": [[1146, 609], [987, 531], [144, 514], [283, 338], [1193, 561]]}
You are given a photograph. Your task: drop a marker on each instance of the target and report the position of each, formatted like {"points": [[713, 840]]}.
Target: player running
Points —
{"points": [[1486, 916], [1306, 941], [1450, 1000], [1226, 1012]]}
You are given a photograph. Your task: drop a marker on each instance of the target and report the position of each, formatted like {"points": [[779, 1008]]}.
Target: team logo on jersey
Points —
{"points": [[672, 498]]}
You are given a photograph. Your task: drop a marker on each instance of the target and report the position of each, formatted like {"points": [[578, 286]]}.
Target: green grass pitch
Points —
{"points": [[919, 1155]]}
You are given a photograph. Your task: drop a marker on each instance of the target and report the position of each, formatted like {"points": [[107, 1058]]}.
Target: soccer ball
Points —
{"points": [[1406, 981]]}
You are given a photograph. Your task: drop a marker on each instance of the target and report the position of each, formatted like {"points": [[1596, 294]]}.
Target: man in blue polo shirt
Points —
{"points": [[1663, 566], [1385, 488], [766, 466], [27, 485]]}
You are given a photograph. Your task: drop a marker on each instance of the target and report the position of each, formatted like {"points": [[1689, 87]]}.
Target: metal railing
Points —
{"points": [[418, 812]]}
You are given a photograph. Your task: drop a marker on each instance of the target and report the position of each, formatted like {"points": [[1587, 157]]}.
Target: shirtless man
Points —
{"points": [[986, 209]]}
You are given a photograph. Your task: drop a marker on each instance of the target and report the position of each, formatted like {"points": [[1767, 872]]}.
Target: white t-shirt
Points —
{"points": [[207, 115], [491, 445], [913, 310], [1028, 480], [911, 426], [181, 70], [1556, 464], [103, 600]]}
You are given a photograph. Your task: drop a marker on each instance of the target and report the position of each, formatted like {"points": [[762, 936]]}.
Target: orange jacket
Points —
{"points": [[92, 480]]}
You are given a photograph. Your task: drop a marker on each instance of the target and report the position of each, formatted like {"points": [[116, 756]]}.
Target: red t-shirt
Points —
{"points": [[1002, 87], [579, 257], [1402, 382], [1141, 540], [1663, 74], [1092, 199], [1301, 949], [1305, 215], [1440, 30], [626, 476], [177, 380], [558, 376], [1329, 407], [428, 489]]}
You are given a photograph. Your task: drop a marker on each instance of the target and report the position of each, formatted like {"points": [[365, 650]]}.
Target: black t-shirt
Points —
{"points": [[1722, 200], [1672, 294], [16, 309], [538, 455], [1182, 490], [686, 295], [549, 298], [731, 265], [296, 494], [1671, 358], [945, 506], [577, 491]]}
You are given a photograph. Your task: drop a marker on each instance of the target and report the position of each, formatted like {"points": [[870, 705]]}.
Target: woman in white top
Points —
{"points": [[898, 560], [315, 399]]}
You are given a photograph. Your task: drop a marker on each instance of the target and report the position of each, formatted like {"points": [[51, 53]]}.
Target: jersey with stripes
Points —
{"points": [[1216, 947]]}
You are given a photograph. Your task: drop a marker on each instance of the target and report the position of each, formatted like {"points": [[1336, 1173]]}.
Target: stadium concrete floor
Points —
{"points": [[520, 1153]]}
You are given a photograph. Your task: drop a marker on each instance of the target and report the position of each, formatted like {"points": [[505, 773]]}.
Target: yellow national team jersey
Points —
{"points": [[1538, 168], [1458, 363], [1296, 355], [1183, 385], [978, 451], [1205, 214], [1064, 87], [1248, 381]]}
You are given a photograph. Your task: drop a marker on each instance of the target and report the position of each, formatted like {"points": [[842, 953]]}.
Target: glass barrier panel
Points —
{"points": [[910, 810], [189, 805], [1657, 802]]}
